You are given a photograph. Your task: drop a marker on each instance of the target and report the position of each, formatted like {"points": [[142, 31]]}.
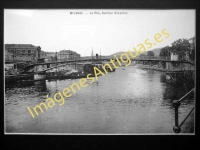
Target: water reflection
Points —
{"points": [[41, 86]]}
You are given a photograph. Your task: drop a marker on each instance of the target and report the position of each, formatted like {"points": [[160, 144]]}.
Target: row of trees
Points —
{"points": [[180, 47], [150, 53]]}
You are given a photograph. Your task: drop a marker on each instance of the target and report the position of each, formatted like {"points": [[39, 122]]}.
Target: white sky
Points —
{"points": [[56, 29]]}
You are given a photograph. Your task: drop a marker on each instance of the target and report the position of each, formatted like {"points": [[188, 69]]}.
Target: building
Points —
{"points": [[22, 52], [68, 55], [174, 56], [8, 56], [9, 66]]}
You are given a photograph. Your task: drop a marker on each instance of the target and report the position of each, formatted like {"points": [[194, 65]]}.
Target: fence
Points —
{"points": [[176, 103]]}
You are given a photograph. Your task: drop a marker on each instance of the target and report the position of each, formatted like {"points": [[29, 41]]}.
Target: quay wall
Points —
{"points": [[169, 66], [177, 66]]}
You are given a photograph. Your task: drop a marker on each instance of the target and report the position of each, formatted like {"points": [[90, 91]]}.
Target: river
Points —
{"points": [[128, 101]]}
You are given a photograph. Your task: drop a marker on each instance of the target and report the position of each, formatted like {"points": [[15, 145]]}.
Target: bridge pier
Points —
{"points": [[40, 76]]}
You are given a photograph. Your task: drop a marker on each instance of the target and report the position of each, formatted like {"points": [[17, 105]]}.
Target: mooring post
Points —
{"points": [[176, 128]]}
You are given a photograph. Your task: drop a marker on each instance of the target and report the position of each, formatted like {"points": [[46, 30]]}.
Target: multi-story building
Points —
{"points": [[68, 55], [22, 52]]}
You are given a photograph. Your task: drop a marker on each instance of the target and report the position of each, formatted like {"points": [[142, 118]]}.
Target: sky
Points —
{"points": [[56, 29]]}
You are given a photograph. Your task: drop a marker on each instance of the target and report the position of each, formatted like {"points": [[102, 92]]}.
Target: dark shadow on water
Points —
{"points": [[39, 86], [162, 78], [174, 91]]}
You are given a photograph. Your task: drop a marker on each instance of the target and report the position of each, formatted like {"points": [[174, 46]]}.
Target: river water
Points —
{"points": [[128, 101]]}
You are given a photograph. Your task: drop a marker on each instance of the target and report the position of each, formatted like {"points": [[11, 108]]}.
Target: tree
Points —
{"points": [[192, 52], [142, 55], [165, 51], [180, 47], [150, 53]]}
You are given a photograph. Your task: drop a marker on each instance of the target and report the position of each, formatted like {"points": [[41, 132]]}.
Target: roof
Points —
{"points": [[9, 62], [20, 46], [191, 38], [67, 52], [50, 52]]}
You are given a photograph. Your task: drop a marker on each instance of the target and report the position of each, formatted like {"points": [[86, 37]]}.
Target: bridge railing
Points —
{"points": [[176, 104]]}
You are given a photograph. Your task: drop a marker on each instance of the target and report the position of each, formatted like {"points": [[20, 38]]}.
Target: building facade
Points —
{"points": [[174, 56], [22, 52], [68, 55]]}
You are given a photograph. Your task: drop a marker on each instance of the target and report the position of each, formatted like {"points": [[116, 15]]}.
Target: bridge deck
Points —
{"points": [[70, 61], [88, 61]]}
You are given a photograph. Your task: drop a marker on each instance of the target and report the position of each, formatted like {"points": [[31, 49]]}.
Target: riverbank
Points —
{"points": [[187, 76]]}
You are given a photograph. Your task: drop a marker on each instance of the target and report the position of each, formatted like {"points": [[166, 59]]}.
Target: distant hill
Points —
{"points": [[117, 54], [156, 52]]}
